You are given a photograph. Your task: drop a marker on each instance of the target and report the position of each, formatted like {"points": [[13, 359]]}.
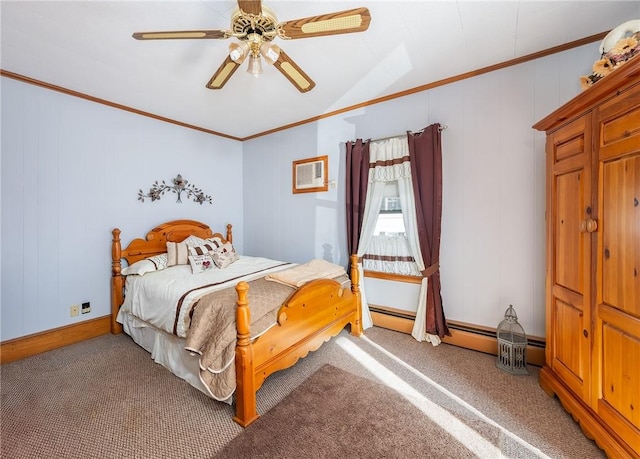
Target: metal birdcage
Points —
{"points": [[512, 344]]}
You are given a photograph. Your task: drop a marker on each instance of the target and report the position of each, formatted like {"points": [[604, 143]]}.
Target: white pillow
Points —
{"points": [[200, 263], [155, 263]]}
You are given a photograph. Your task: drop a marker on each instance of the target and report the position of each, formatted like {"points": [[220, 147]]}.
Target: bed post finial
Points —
{"points": [[116, 252], [246, 406], [354, 274], [229, 233], [243, 314]]}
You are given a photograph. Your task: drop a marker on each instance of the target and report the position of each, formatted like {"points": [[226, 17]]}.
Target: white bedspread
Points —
{"points": [[154, 297]]}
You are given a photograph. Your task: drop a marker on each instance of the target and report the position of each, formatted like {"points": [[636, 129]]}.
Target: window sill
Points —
{"points": [[393, 277]]}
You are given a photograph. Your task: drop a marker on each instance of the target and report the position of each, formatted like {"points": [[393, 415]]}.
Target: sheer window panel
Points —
{"points": [[388, 250]]}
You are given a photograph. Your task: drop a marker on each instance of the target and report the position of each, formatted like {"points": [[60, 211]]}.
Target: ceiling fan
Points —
{"points": [[255, 26]]}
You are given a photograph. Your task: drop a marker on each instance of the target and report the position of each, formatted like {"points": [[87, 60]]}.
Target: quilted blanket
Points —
{"points": [[212, 332]]}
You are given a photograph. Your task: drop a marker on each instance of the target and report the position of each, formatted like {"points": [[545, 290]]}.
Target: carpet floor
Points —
{"points": [[332, 409], [106, 398]]}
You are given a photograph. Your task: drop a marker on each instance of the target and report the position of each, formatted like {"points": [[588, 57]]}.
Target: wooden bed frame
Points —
{"points": [[312, 315]]}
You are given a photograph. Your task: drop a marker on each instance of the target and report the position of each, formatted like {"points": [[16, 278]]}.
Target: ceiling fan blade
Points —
{"points": [[293, 73], [207, 34], [356, 20], [250, 6], [223, 74]]}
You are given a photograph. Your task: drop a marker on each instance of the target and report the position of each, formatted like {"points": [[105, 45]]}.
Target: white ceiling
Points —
{"points": [[86, 46]]}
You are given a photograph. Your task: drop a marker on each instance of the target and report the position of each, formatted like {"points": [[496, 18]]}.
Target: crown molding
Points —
{"points": [[425, 87]]}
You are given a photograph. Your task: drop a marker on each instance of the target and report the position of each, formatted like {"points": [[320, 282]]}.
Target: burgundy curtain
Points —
{"points": [[357, 175], [425, 152]]}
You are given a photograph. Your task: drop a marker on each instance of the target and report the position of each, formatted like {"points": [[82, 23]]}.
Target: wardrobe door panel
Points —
{"points": [[569, 204], [569, 247], [620, 234], [618, 403], [616, 356], [569, 356]]}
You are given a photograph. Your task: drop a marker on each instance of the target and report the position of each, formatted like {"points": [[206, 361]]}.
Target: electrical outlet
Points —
{"points": [[86, 307], [74, 310]]}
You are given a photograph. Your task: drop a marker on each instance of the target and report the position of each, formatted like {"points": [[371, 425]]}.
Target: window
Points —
{"points": [[388, 250], [390, 221]]}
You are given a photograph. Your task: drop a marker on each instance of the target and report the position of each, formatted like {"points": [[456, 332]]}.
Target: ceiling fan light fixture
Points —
{"points": [[255, 66], [270, 52], [238, 52]]}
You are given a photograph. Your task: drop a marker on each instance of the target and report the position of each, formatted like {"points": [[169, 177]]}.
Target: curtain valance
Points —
{"points": [[389, 160]]}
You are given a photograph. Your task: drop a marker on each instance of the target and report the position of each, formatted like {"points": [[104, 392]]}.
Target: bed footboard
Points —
{"points": [[314, 314]]}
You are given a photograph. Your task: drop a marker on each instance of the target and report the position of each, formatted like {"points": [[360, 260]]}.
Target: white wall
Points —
{"points": [[71, 170], [493, 230]]}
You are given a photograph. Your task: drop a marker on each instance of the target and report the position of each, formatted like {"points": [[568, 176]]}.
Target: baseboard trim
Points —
{"points": [[475, 337], [26, 346], [468, 336]]}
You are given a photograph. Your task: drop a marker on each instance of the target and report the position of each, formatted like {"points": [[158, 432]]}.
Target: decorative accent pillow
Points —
{"points": [[155, 263], [225, 255], [177, 253], [193, 241], [215, 241], [200, 263], [210, 245]]}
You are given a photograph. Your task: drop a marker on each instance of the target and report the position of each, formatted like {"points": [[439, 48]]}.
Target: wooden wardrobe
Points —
{"points": [[592, 360]]}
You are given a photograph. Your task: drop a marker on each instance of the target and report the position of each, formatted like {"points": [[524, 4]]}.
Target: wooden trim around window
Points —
{"points": [[393, 277]]}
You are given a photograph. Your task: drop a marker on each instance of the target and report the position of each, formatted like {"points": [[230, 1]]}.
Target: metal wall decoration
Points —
{"points": [[179, 185]]}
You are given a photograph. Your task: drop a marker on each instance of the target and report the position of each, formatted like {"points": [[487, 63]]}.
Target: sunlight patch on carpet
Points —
{"points": [[464, 434]]}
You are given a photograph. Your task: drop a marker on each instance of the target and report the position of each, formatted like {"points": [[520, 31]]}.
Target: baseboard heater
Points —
{"points": [[470, 336], [532, 341], [392, 312]]}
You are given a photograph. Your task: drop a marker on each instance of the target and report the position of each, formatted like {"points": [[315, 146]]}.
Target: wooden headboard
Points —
{"points": [[154, 243]]}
